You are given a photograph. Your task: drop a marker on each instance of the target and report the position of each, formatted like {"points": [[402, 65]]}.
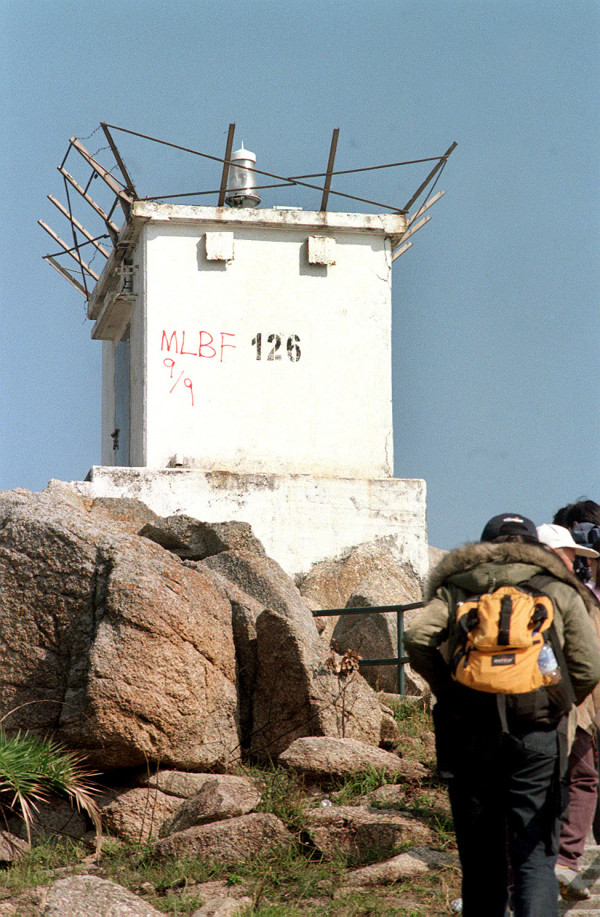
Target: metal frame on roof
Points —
{"points": [[125, 194]]}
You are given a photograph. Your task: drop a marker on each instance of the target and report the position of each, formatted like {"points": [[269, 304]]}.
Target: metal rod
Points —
{"points": [[76, 247], [166, 197], [79, 226], [226, 162], [89, 199], [370, 609], [66, 274], [330, 165], [390, 661], [69, 251], [120, 163], [386, 165], [400, 638], [83, 275], [442, 162]]}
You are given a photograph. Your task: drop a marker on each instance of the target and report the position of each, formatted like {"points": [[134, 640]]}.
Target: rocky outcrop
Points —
{"points": [[295, 692], [134, 654]]}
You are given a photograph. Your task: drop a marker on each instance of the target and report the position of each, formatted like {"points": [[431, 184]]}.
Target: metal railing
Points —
{"points": [[399, 660]]}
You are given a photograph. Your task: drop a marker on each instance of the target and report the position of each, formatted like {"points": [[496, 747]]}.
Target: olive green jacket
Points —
{"points": [[432, 636]]}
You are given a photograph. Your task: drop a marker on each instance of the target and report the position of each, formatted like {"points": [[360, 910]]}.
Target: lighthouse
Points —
{"points": [[247, 370]]}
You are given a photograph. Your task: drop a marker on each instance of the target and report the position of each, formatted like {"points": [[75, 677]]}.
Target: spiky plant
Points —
{"points": [[33, 769]]}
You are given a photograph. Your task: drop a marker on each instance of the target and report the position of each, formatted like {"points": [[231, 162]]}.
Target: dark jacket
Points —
{"points": [[431, 637]]}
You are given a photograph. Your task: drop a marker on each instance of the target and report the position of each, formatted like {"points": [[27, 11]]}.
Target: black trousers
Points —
{"points": [[506, 803]]}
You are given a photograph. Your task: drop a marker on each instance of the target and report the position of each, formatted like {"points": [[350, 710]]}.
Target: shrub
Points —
{"points": [[33, 769]]}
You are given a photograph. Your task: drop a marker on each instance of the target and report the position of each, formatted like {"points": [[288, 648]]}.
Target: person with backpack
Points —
{"points": [[506, 645], [582, 770]]}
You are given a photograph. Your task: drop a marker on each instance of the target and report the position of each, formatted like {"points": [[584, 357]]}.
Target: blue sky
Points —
{"points": [[496, 341]]}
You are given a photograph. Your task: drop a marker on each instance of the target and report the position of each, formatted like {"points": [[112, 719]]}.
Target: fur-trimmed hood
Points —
{"points": [[484, 560]]}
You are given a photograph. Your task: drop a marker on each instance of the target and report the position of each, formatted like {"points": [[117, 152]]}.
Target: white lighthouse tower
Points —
{"points": [[246, 369]]}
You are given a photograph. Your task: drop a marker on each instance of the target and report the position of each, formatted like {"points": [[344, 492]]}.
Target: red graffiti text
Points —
{"points": [[201, 344]]}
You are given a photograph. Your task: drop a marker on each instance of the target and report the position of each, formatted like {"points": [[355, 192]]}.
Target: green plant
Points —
{"points": [[282, 794], [413, 718], [33, 769], [38, 865], [346, 791]]}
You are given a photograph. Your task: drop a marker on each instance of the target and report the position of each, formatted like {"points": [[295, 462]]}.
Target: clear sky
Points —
{"points": [[496, 360]]}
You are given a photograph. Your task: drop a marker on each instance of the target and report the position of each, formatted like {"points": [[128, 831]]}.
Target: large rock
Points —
{"points": [[360, 833], [137, 814], [413, 862], [221, 796], [89, 896], [227, 841], [128, 513], [111, 642], [295, 691], [319, 758], [245, 611]]}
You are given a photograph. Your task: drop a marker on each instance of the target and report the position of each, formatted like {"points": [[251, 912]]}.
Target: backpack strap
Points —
{"points": [[501, 704], [562, 694]]}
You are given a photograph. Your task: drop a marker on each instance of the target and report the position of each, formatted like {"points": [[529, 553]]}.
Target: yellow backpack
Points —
{"points": [[501, 634]]}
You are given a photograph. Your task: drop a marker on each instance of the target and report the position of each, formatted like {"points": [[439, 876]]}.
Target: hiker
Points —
{"points": [[582, 771], [581, 518], [503, 755]]}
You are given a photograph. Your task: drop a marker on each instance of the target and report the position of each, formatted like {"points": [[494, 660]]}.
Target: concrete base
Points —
{"points": [[300, 519]]}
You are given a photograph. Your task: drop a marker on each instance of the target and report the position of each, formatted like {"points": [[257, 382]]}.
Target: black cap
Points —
{"points": [[509, 524]]}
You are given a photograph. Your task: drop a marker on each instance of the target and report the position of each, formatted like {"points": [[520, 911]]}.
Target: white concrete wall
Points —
{"points": [[325, 411], [300, 519]]}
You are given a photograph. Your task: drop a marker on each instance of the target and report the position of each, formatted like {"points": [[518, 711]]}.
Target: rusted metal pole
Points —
{"points": [[330, 165], [120, 163], [225, 175], [442, 162]]}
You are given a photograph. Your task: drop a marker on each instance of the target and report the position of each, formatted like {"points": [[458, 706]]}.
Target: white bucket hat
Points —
{"points": [[556, 536]]}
